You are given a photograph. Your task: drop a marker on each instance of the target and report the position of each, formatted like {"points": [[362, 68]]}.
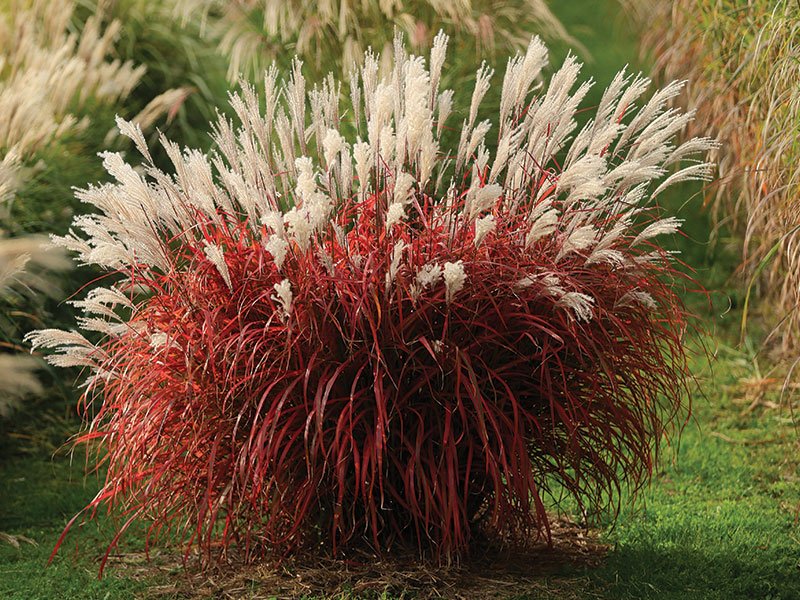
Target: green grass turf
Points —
{"points": [[719, 521]]}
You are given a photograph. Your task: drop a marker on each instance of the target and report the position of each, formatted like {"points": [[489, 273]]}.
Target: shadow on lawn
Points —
{"points": [[645, 571]]}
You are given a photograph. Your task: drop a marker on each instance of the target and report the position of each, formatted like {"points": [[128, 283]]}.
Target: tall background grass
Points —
{"points": [[741, 62]]}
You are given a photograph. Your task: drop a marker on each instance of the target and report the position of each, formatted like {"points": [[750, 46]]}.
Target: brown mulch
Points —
{"points": [[493, 573]]}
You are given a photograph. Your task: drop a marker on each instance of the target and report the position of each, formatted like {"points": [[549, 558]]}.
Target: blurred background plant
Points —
{"points": [[332, 35], [50, 80], [185, 75], [62, 79], [742, 63], [21, 260]]}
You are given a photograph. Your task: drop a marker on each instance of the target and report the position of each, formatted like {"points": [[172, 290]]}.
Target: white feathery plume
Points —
{"points": [[394, 266], [73, 349], [403, 188], [637, 297], [580, 304], [482, 82], [427, 277], [298, 226], [700, 172], [101, 301], [691, 147], [345, 174], [542, 226], [609, 255], [418, 113], [483, 227], [362, 154], [283, 295], [273, 219], [217, 258], [333, 144], [438, 53], [578, 240], [455, 277], [278, 247], [427, 162], [471, 142], [661, 227], [521, 72], [480, 199], [651, 110], [445, 107], [395, 214]]}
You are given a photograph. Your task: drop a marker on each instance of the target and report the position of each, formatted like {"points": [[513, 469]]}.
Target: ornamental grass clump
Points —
{"points": [[372, 340]]}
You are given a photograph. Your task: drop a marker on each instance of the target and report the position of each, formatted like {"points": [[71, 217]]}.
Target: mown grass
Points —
{"points": [[719, 521]]}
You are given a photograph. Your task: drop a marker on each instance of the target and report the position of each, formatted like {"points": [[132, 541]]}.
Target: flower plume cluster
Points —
{"points": [[340, 330]]}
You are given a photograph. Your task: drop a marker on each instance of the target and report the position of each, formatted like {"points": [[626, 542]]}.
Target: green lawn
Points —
{"points": [[719, 521]]}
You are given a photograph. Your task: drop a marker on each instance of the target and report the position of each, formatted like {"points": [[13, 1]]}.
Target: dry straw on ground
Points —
{"points": [[493, 573]]}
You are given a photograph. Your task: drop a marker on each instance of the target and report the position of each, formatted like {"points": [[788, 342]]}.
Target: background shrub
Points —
{"points": [[332, 35]]}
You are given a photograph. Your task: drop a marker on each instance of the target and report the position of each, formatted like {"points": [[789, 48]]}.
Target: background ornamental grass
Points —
{"points": [[49, 77], [332, 35], [66, 68], [741, 61]]}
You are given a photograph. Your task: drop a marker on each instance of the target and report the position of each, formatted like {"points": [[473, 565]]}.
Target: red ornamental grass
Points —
{"points": [[385, 343]]}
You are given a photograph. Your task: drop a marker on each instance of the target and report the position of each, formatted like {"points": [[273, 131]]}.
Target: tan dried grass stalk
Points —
{"points": [[742, 65]]}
